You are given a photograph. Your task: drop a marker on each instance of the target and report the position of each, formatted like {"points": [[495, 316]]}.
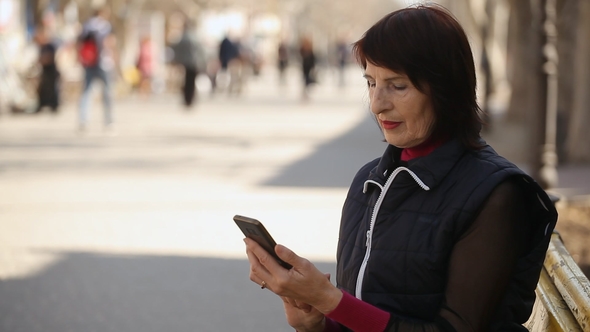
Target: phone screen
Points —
{"points": [[254, 230]]}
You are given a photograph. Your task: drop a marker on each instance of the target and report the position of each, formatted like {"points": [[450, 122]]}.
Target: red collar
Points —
{"points": [[420, 150]]}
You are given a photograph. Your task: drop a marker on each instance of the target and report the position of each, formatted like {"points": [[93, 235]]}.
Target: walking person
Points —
{"points": [[189, 53], [342, 56], [236, 68], [282, 61], [96, 53], [49, 81], [228, 51], [145, 65], [308, 64], [228, 55], [440, 233]]}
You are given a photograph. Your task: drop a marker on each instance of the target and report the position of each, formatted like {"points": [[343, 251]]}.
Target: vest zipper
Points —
{"points": [[384, 189]]}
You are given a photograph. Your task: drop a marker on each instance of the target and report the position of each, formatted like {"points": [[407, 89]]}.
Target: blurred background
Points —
{"points": [[126, 225]]}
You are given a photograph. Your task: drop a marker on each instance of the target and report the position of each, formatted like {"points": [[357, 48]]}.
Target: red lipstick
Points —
{"points": [[390, 124]]}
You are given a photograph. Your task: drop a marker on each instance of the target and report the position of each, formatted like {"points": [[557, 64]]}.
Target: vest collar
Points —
{"points": [[431, 169]]}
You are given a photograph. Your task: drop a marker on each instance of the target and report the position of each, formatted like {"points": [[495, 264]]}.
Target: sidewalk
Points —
{"points": [[133, 232], [144, 189]]}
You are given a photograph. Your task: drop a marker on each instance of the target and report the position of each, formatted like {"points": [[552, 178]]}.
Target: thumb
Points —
{"points": [[287, 255]]}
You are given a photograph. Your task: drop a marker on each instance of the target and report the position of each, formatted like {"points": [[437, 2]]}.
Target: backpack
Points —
{"points": [[88, 51]]}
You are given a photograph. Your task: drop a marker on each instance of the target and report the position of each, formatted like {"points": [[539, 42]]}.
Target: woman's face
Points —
{"points": [[405, 114]]}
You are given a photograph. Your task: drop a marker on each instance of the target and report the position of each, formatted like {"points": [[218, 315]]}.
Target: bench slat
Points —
{"points": [[569, 280]]}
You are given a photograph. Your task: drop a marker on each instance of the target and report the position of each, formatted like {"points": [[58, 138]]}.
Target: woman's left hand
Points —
{"points": [[303, 317], [303, 283]]}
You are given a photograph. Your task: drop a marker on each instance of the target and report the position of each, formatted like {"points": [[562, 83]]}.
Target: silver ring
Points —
{"points": [[263, 285]]}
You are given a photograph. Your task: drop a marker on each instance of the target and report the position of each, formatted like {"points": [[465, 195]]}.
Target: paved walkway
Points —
{"points": [[132, 231]]}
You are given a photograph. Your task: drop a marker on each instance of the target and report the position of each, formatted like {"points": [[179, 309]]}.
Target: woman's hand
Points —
{"points": [[303, 317], [303, 283]]}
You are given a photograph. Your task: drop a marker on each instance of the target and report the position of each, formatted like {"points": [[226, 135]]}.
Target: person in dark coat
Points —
{"points": [[282, 61], [228, 51], [231, 61], [308, 63], [439, 234], [189, 53], [342, 56], [49, 81]]}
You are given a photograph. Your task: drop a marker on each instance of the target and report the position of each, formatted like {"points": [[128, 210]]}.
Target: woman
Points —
{"points": [[440, 233], [189, 54], [282, 61], [308, 62], [49, 81], [145, 65]]}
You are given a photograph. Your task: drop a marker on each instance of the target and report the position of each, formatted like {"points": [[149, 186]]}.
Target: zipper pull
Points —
{"points": [[368, 237]]}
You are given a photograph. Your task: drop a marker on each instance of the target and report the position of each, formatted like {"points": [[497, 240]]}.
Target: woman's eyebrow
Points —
{"points": [[394, 78]]}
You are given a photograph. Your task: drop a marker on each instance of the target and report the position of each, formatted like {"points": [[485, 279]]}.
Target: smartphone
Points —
{"points": [[255, 230]]}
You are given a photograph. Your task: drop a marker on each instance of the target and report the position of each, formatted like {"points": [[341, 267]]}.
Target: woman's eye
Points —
{"points": [[399, 87], [370, 84]]}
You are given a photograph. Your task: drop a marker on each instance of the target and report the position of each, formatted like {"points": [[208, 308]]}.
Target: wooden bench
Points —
{"points": [[563, 293]]}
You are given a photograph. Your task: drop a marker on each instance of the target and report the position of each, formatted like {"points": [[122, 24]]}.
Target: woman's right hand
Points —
{"points": [[303, 282], [303, 317]]}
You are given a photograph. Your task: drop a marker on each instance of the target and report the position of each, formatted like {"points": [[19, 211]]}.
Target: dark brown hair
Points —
{"points": [[427, 44]]}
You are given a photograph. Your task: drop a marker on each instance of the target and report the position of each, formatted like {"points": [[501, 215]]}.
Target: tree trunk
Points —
{"points": [[578, 133], [519, 66], [567, 25], [527, 80]]}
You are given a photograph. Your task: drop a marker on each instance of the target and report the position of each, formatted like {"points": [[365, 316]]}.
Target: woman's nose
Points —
{"points": [[379, 102]]}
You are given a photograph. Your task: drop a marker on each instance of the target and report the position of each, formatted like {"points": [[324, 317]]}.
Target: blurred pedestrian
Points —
{"points": [[237, 68], [250, 56], [282, 61], [189, 53], [342, 57], [228, 51], [145, 65], [96, 46], [49, 81], [308, 65], [213, 66], [229, 54]]}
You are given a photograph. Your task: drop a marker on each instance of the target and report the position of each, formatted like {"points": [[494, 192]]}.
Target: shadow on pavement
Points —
{"points": [[99, 292], [335, 163]]}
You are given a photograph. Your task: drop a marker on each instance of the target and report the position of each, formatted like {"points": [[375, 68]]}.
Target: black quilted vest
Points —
{"points": [[415, 230]]}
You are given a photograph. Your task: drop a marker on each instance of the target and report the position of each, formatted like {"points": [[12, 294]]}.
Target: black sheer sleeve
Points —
{"points": [[480, 265]]}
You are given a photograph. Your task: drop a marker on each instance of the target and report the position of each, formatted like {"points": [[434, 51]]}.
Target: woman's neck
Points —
{"points": [[420, 150]]}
